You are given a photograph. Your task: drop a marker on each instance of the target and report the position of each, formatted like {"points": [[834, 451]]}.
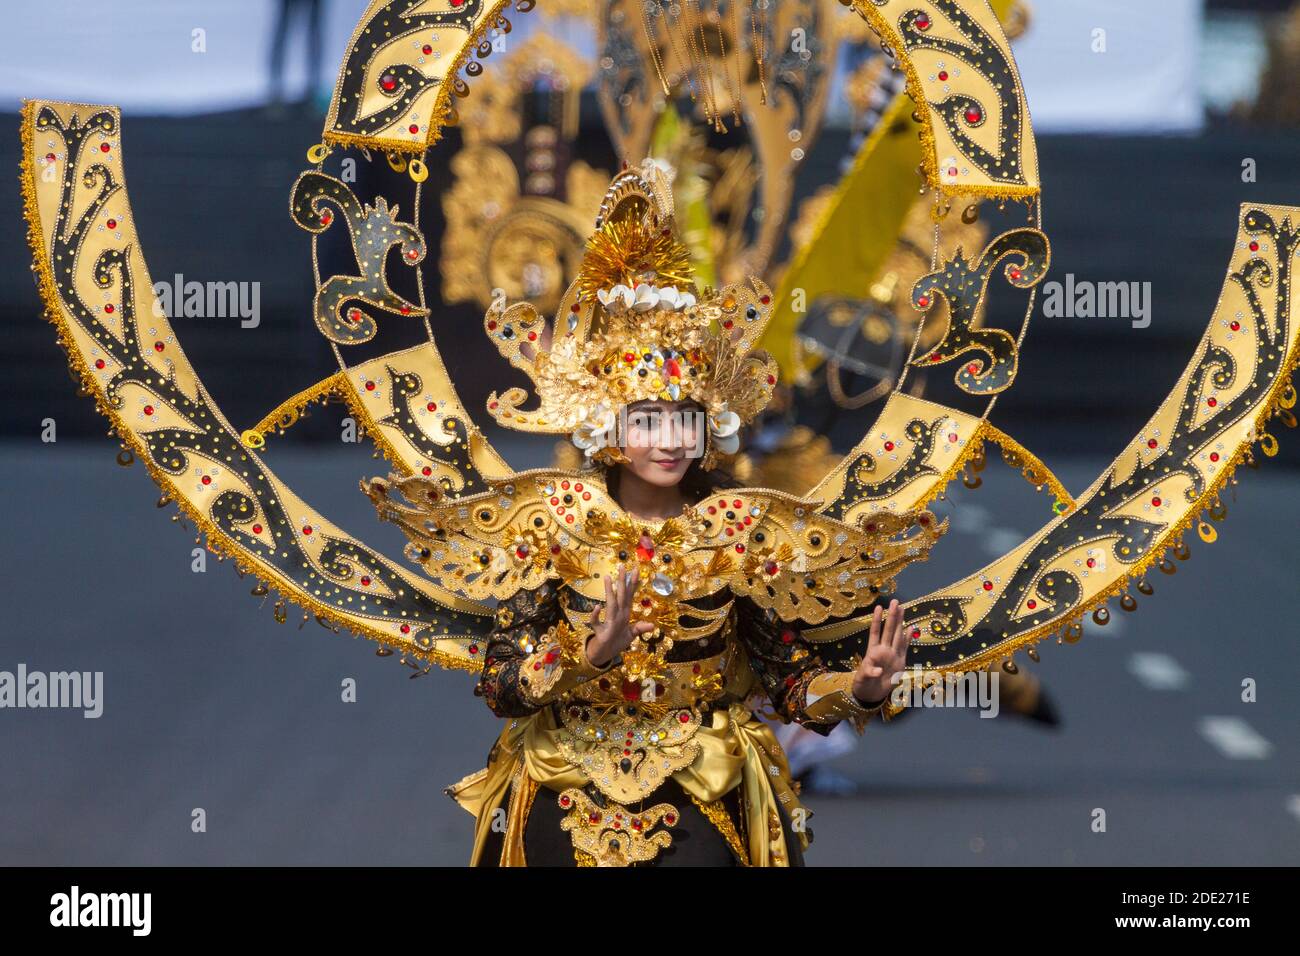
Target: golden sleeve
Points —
{"points": [[802, 690], [533, 657]]}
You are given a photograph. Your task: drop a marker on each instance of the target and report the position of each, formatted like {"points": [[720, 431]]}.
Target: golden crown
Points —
{"points": [[632, 327]]}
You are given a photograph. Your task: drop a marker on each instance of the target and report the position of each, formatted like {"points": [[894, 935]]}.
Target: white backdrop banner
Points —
{"points": [[1088, 65]]}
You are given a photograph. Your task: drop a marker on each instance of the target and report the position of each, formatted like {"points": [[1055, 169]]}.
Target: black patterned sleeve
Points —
{"points": [[802, 690], [533, 657]]}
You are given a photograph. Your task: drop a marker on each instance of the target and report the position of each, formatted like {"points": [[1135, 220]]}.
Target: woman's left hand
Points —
{"points": [[886, 655]]}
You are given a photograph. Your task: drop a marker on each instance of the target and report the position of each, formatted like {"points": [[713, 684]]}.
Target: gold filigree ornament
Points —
{"points": [[614, 835], [627, 750]]}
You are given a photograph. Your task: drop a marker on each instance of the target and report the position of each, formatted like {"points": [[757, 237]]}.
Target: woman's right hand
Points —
{"points": [[612, 630]]}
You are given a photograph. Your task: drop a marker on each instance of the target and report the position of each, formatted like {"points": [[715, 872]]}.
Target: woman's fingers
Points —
{"points": [[642, 627], [873, 636], [897, 638]]}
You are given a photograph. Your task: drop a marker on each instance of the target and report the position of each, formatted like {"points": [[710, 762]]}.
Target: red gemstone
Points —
{"points": [[1016, 274], [158, 346], [578, 486], [99, 363], [740, 549], [365, 581], [988, 585], [943, 76], [575, 308], [727, 324], [104, 147], [1155, 502], [645, 548], [1092, 562], [973, 115], [532, 336], [564, 485], [370, 386], [112, 224], [684, 718], [326, 217], [426, 470], [1235, 326], [148, 409], [1152, 443], [427, 49], [923, 301], [1212, 402], [922, 22], [787, 636], [916, 632], [109, 308], [257, 529], [388, 82], [586, 496], [569, 518], [1214, 456], [765, 299], [889, 446], [771, 380], [50, 157], [491, 326], [1031, 604], [413, 254], [413, 129], [405, 310], [405, 629], [354, 315], [731, 532], [306, 529], [771, 567], [492, 406], [1254, 247], [206, 479], [432, 406], [952, 436]]}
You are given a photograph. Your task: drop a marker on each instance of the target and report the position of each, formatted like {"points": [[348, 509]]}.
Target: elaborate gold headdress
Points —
{"points": [[633, 327]]}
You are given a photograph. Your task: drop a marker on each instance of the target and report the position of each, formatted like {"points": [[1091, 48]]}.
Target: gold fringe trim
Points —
{"points": [[717, 814], [975, 448], [1033, 469], [285, 415], [217, 541]]}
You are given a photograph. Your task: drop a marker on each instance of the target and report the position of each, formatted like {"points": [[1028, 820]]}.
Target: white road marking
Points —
{"points": [[1157, 671], [1293, 804], [1234, 738]]}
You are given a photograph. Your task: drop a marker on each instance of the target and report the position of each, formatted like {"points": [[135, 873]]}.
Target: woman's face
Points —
{"points": [[662, 439]]}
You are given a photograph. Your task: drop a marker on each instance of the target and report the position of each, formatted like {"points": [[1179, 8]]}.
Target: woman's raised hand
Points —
{"points": [[885, 656], [612, 630]]}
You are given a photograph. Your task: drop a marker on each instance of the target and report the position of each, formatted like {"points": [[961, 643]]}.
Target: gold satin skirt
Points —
{"points": [[736, 749]]}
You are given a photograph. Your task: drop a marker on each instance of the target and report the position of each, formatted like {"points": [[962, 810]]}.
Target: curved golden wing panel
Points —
{"points": [[914, 449], [98, 294], [1143, 504], [410, 409], [977, 139], [398, 82]]}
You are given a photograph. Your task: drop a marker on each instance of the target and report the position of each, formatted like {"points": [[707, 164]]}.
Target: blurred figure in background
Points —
{"points": [[309, 14]]}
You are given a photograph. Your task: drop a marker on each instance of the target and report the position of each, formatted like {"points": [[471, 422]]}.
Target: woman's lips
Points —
{"points": [[670, 463]]}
